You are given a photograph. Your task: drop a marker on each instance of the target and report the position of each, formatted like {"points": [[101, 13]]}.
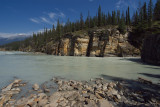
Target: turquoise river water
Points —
{"points": [[40, 68]]}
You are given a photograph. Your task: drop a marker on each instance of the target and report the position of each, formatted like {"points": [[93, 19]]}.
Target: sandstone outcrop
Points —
{"points": [[99, 43]]}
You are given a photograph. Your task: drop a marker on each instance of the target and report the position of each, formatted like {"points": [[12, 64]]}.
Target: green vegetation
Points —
{"points": [[145, 22], [145, 18]]}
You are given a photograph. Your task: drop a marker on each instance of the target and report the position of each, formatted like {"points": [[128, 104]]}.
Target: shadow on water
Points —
{"points": [[150, 75], [139, 61]]}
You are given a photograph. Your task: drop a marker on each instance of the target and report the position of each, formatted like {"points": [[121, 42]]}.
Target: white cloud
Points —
{"points": [[34, 20], [61, 14], [126, 3], [7, 35], [49, 17], [27, 34], [120, 4], [45, 20], [52, 15]]}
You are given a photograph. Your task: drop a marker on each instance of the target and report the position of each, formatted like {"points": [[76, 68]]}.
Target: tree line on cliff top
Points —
{"points": [[141, 20]]}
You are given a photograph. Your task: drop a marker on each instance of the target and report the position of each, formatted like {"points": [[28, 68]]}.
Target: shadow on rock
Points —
{"points": [[148, 91]]}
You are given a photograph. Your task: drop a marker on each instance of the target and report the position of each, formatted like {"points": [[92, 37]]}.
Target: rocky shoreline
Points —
{"points": [[97, 92]]}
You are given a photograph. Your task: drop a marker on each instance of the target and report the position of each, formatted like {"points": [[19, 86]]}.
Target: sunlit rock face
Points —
{"points": [[151, 49], [99, 43]]}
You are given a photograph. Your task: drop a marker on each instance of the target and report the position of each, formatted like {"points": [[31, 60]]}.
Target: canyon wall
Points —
{"points": [[99, 43]]}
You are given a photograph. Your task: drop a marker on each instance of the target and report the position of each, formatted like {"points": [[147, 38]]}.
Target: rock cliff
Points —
{"points": [[97, 42], [151, 49]]}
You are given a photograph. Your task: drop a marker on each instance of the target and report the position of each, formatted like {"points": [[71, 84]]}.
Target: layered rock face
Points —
{"points": [[100, 42], [151, 49]]}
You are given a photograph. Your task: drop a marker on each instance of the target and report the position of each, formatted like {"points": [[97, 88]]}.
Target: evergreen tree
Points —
{"points": [[135, 19], [99, 16], [121, 26], [118, 16], [58, 29], [87, 22], [103, 19], [109, 20], [114, 20], [150, 13], [73, 27], [157, 11], [128, 15], [144, 12], [53, 28], [127, 23], [81, 22]]}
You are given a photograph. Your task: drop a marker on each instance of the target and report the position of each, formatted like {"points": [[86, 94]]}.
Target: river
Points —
{"points": [[40, 68]]}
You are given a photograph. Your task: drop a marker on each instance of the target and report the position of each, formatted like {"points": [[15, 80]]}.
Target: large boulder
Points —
{"points": [[151, 49]]}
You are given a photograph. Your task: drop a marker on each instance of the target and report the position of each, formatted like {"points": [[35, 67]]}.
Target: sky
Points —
{"points": [[23, 17]]}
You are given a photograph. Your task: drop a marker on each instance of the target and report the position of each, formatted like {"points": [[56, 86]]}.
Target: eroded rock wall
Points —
{"points": [[99, 43]]}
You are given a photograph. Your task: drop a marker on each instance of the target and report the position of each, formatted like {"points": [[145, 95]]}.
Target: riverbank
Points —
{"points": [[59, 92]]}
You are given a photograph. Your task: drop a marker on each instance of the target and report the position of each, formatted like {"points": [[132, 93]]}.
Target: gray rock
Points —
{"points": [[35, 87], [17, 81], [104, 103], [7, 88]]}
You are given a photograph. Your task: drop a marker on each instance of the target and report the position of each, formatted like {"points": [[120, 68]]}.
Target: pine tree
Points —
{"points": [[145, 17], [157, 11], [99, 16], [118, 16], [114, 20], [129, 21], [73, 27], [121, 25], [81, 22], [109, 20], [58, 29], [144, 12], [150, 13], [87, 22], [127, 18], [135, 19], [103, 19]]}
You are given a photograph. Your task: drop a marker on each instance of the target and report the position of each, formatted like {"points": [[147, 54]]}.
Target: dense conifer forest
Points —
{"points": [[145, 18]]}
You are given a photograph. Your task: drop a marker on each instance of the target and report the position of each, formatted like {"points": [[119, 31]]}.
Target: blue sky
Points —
{"points": [[18, 17]]}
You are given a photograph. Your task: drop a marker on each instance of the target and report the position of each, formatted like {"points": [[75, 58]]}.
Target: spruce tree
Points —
{"points": [[144, 12], [81, 22], [58, 29], [150, 13], [135, 19], [99, 16], [114, 20], [145, 17], [118, 16], [127, 18], [121, 26], [109, 20], [87, 22], [129, 21], [157, 11]]}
